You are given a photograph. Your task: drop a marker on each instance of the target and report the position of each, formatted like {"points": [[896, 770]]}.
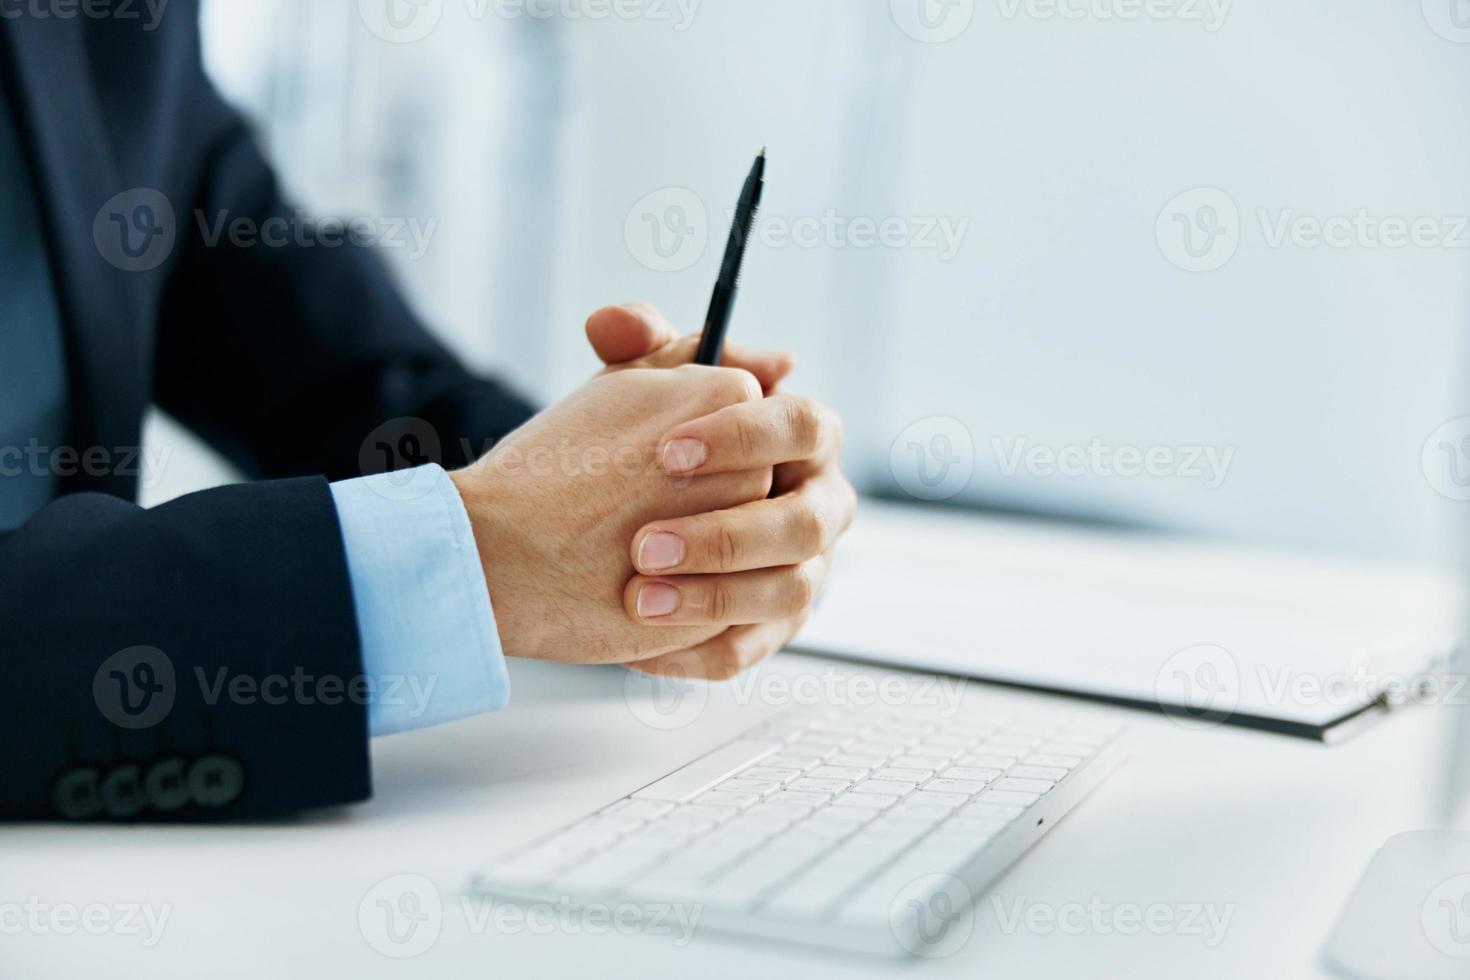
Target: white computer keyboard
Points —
{"points": [[830, 826]]}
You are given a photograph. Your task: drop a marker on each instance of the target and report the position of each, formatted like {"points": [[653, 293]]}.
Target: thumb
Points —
{"points": [[626, 333]]}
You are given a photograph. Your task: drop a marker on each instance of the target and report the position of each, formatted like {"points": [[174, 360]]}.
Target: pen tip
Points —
{"points": [[762, 154]]}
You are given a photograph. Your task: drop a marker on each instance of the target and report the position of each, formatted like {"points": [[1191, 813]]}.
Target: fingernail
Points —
{"points": [[660, 550], [657, 599], [683, 455]]}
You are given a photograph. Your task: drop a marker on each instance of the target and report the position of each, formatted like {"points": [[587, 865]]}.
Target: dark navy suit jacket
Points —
{"points": [[284, 358]]}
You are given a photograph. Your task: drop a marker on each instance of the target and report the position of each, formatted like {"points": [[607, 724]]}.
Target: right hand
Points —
{"points": [[555, 505]]}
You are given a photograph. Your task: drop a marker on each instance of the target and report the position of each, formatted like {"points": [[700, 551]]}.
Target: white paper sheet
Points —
{"points": [[1209, 626]]}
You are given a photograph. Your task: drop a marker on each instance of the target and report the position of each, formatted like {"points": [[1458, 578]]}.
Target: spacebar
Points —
{"points": [[687, 783]]}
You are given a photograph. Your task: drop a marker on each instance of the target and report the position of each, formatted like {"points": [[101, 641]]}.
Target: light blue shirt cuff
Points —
{"points": [[430, 649]]}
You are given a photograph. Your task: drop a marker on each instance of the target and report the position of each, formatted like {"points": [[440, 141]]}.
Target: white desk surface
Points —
{"points": [[1278, 828]]}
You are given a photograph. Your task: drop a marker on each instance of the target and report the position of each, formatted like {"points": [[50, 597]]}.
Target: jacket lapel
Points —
{"points": [[48, 80]]}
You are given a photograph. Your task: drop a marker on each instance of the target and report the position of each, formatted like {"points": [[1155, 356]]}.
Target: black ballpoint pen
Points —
{"points": [[717, 321]]}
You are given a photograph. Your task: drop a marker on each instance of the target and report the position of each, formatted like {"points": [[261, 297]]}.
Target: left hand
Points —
{"points": [[756, 568]]}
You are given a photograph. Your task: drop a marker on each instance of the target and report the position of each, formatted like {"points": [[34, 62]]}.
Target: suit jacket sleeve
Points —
{"points": [[201, 660], [193, 661], [290, 355]]}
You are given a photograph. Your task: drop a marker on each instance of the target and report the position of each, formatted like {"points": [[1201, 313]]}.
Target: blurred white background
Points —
{"points": [[1223, 239]]}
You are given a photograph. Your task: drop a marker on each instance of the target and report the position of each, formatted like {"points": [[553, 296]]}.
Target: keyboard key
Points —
{"points": [[844, 726], [949, 738], [965, 787], [825, 830], [1010, 797], [823, 739], [1037, 786], [926, 798], [968, 826], [789, 812], [867, 801], [1055, 761], [771, 773], [720, 797], [741, 884], [900, 822], [987, 761], [1048, 773], [783, 761], [891, 739], [847, 774], [992, 811], [842, 814], [928, 762], [903, 775], [703, 773], [858, 761], [970, 773], [884, 787], [808, 785], [925, 811], [742, 827], [871, 750], [604, 872], [760, 787], [798, 798], [699, 810]]}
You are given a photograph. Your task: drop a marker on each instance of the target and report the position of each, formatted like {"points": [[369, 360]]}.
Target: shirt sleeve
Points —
{"points": [[430, 650]]}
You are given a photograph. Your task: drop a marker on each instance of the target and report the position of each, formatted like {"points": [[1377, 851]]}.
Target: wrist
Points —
{"points": [[500, 556]]}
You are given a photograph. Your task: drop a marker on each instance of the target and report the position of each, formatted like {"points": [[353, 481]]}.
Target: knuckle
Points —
{"points": [[727, 545], [802, 591], [725, 661], [805, 423], [742, 386], [812, 524], [747, 438], [721, 602]]}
